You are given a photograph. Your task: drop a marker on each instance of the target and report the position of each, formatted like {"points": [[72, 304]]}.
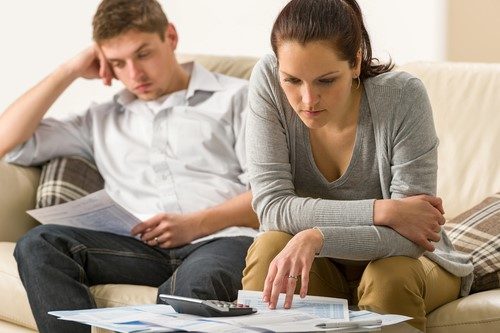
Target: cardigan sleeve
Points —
{"points": [[414, 144]]}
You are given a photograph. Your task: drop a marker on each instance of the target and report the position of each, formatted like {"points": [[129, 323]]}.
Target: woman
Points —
{"points": [[343, 157]]}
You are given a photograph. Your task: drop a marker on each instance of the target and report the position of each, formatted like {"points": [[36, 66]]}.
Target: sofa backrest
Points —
{"points": [[237, 66], [465, 98]]}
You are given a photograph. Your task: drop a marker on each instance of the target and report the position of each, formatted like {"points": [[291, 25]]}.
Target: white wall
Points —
{"points": [[36, 36], [232, 27], [408, 30]]}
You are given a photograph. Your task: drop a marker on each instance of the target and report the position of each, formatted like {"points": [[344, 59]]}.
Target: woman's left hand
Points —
{"points": [[292, 263]]}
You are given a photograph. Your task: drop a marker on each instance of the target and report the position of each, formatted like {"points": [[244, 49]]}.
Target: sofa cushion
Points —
{"points": [[113, 295], [477, 232], [65, 179], [6, 327], [17, 194], [14, 308], [478, 312]]}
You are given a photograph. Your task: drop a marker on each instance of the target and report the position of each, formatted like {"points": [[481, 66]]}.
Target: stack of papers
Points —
{"points": [[311, 314], [96, 211]]}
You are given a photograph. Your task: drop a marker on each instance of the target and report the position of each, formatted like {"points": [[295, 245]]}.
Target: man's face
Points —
{"points": [[144, 63]]}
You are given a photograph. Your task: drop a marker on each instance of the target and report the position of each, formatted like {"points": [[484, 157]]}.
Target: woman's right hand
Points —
{"points": [[292, 263], [418, 218]]}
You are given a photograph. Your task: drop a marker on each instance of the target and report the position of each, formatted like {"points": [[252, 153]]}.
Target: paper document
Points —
{"points": [[163, 318], [146, 318], [323, 307], [96, 211], [122, 319]]}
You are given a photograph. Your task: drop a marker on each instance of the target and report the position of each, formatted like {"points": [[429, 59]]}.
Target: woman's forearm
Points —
{"points": [[366, 243]]}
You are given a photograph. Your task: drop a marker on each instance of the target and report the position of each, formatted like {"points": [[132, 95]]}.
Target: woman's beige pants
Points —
{"points": [[399, 285]]}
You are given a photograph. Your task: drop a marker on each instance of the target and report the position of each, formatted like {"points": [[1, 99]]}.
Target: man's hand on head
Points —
{"points": [[105, 71], [169, 230], [90, 64]]}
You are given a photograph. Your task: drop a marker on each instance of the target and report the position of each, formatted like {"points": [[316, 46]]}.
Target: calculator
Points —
{"points": [[208, 308]]}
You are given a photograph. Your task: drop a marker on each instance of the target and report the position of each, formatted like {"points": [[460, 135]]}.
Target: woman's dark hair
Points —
{"points": [[337, 21]]}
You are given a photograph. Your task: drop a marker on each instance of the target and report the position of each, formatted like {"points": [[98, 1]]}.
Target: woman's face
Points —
{"points": [[316, 82]]}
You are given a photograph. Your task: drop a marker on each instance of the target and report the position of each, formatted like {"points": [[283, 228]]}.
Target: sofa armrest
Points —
{"points": [[17, 194]]}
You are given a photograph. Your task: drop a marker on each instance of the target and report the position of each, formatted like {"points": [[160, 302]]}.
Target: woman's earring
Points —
{"points": [[358, 83]]}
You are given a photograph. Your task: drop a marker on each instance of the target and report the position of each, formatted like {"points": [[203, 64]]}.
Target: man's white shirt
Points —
{"points": [[178, 154]]}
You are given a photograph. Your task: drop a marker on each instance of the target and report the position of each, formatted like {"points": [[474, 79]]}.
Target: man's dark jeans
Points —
{"points": [[58, 264]]}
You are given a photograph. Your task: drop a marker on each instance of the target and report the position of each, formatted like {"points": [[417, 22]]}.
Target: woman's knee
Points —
{"points": [[395, 285], [394, 271], [269, 244], [392, 277], [259, 256]]}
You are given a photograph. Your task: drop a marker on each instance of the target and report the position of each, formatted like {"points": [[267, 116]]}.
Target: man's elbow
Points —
{"points": [[8, 144], [3, 151]]}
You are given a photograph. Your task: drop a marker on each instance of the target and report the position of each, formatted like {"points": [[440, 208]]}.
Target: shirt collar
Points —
{"points": [[201, 80]]}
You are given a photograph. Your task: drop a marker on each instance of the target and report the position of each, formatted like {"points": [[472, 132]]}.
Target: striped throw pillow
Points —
{"points": [[477, 232], [65, 179]]}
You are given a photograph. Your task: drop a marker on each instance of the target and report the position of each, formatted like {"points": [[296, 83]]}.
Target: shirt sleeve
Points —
{"points": [[240, 113], [55, 138]]}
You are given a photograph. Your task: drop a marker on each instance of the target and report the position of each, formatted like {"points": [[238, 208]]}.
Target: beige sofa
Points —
{"points": [[466, 102]]}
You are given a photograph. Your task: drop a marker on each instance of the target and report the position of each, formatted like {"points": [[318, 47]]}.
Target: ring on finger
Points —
{"points": [[156, 241], [295, 277]]}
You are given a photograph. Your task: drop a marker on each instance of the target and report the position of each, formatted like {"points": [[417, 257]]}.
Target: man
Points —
{"points": [[169, 147]]}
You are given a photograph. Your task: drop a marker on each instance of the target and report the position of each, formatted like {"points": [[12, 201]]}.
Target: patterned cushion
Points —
{"points": [[477, 231], [65, 179]]}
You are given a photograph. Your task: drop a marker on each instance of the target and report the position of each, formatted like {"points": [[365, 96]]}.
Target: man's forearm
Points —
{"points": [[234, 212], [20, 120]]}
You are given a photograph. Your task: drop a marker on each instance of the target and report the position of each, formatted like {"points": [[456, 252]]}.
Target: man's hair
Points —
{"points": [[115, 17]]}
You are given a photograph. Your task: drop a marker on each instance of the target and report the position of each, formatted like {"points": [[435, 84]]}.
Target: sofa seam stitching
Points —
{"points": [[16, 322], [467, 323]]}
